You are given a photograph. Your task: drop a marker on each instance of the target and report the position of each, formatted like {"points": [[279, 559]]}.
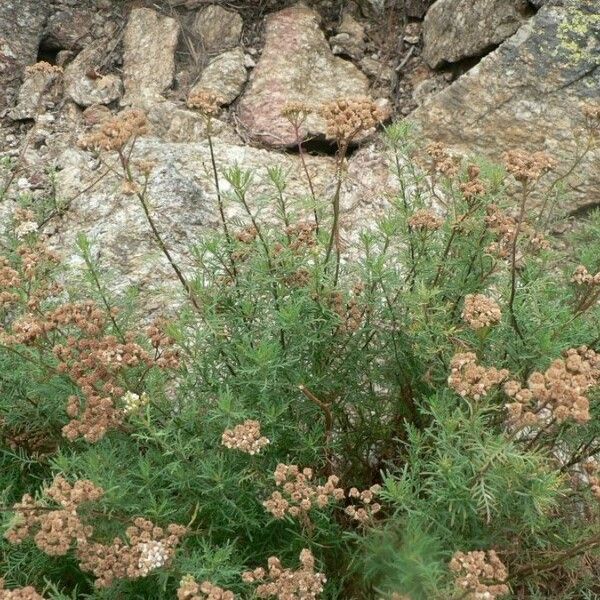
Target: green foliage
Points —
{"points": [[347, 373]]}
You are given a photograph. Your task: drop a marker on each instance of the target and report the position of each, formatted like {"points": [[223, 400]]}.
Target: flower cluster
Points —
{"points": [[559, 391], [133, 402], [480, 311], [245, 437], [472, 380], [347, 117], [114, 133], [350, 312], [43, 67], [443, 162], [56, 528], [9, 281], [287, 584], [150, 547], [26, 593], [425, 220], [189, 589], [207, 103], [505, 228], [296, 112], [364, 513], [299, 493], [582, 276], [527, 166], [301, 235], [473, 187], [480, 574]]}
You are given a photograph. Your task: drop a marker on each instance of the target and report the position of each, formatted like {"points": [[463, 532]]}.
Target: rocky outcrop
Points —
{"points": [[457, 29], [82, 82], [218, 28], [224, 76], [183, 202], [21, 29], [296, 65], [417, 8], [529, 93], [148, 55]]}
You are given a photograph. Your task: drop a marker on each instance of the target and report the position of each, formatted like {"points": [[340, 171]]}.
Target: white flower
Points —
{"points": [[133, 402], [153, 556]]}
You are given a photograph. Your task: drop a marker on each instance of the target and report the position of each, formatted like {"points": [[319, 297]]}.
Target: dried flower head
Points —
{"points": [[116, 132], [443, 162], [43, 67], [296, 112], [481, 575], [245, 437], [347, 117], [189, 589], [56, 530], [425, 220], [287, 584], [582, 276], [363, 514], [150, 547], [206, 102], [527, 166], [24, 593], [472, 380], [559, 392], [299, 494], [480, 311]]}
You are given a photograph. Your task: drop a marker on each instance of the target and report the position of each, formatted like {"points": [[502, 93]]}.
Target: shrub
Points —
{"points": [[415, 419]]}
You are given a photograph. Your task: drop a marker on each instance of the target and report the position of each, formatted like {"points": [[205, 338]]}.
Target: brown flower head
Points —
{"points": [[472, 380], [527, 166], [347, 117], [425, 220], [559, 392], [114, 133], [207, 103], [245, 437], [287, 584], [480, 311], [481, 575]]}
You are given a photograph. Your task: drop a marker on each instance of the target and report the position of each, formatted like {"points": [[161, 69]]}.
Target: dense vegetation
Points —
{"points": [[414, 417]]}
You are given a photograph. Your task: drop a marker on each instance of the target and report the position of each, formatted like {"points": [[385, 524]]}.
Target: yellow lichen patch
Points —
{"points": [[574, 35]]}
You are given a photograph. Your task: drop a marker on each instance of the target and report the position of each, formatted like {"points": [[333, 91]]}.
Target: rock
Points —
{"points": [[68, 29], [529, 93], [42, 85], [21, 29], [457, 29], [350, 39], [148, 55], [225, 76], [412, 33], [175, 124], [376, 69], [296, 65], [218, 29], [183, 202], [82, 82], [417, 8], [96, 114]]}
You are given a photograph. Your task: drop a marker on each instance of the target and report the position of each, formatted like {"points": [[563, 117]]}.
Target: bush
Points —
{"points": [[417, 419]]}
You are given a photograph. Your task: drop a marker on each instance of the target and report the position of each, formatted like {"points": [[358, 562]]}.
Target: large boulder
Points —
{"points": [[457, 29], [182, 198], [224, 76], [218, 28], [296, 65], [530, 93], [149, 48], [21, 29]]}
